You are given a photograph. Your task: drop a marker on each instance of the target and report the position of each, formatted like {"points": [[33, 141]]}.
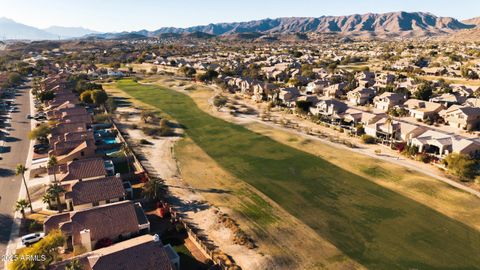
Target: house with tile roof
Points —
{"points": [[87, 194], [84, 169], [144, 252], [115, 221]]}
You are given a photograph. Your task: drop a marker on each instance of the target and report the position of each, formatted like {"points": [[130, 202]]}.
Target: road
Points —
{"points": [[16, 145]]}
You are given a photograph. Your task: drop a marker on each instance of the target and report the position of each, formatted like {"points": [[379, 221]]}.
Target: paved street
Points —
{"points": [[15, 152]]}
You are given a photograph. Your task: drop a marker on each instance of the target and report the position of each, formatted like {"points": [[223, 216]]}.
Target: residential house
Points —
{"points": [[84, 169], [328, 107], [388, 100], [334, 90], [288, 96], [423, 109], [315, 87], [100, 191], [463, 117], [356, 117], [145, 252], [115, 221], [442, 144], [448, 99], [360, 95]]}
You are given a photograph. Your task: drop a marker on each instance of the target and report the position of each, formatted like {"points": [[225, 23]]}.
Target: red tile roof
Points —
{"points": [[97, 190]]}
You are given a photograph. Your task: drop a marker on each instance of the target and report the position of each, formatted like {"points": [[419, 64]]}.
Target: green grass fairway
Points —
{"points": [[373, 225]]}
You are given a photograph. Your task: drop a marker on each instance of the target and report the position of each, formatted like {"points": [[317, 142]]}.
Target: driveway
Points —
{"points": [[15, 152]]}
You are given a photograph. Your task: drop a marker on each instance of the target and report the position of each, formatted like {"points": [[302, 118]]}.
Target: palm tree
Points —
{"points": [[153, 189], [52, 163], [21, 205], [389, 123], [47, 198], [20, 170], [126, 151], [54, 191]]}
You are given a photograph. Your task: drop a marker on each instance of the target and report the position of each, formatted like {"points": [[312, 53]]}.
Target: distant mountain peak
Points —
{"points": [[392, 23], [10, 29]]}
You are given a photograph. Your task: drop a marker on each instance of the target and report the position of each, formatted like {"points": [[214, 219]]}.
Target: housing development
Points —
{"points": [[348, 142]]}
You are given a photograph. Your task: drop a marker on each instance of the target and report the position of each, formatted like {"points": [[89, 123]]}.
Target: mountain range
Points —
{"points": [[9, 29], [393, 24]]}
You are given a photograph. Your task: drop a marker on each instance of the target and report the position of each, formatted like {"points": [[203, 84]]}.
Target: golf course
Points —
{"points": [[373, 225]]}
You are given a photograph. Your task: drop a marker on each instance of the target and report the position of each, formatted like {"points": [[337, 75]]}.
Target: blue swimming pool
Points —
{"points": [[109, 140]]}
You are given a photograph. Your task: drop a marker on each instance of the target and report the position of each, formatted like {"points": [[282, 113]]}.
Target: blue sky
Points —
{"points": [[119, 15]]}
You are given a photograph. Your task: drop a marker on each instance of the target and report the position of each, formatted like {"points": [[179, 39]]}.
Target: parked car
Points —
{"points": [[40, 148], [32, 238]]}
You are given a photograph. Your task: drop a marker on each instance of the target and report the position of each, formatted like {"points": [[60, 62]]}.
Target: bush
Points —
{"points": [[34, 226], [150, 131], [79, 250], [145, 142], [461, 165], [102, 118], [219, 101], [367, 139], [165, 129], [39, 132]]}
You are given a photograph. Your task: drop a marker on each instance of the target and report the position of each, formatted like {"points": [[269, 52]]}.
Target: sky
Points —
{"points": [[130, 15]]}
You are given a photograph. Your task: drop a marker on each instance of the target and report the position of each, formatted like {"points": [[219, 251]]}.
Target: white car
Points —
{"points": [[32, 238]]}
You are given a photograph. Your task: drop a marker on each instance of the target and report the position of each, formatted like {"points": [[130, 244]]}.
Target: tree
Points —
{"points": [[154, 70], [55, 191], [99, 97], [40, 132], [461, 165], [111, 105], [424, 91], [46, 95], [127, 152], [46, 250], [187, 71], [165, 129], [14, 79], [20, 205], [367, 139], [20, 170], [153, 189], [52, 163], [219, 101], [146, 116], [86, 97], [47, 198]]}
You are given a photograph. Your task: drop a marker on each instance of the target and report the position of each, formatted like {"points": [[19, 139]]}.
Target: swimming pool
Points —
{"points": [[109, 140]]}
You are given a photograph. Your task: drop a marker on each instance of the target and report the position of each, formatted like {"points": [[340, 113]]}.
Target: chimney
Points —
{"points": [[86, 240]]}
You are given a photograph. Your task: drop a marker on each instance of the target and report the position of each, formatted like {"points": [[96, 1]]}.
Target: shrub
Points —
{"points": [[150, 131], [39, 132], [145, 142], [367, 139], [78, 250], [102, 118], [219, 101], [461, 165], [165, 129]]}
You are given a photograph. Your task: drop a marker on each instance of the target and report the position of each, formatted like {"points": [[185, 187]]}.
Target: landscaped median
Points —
{"points": [[373, 225]]}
